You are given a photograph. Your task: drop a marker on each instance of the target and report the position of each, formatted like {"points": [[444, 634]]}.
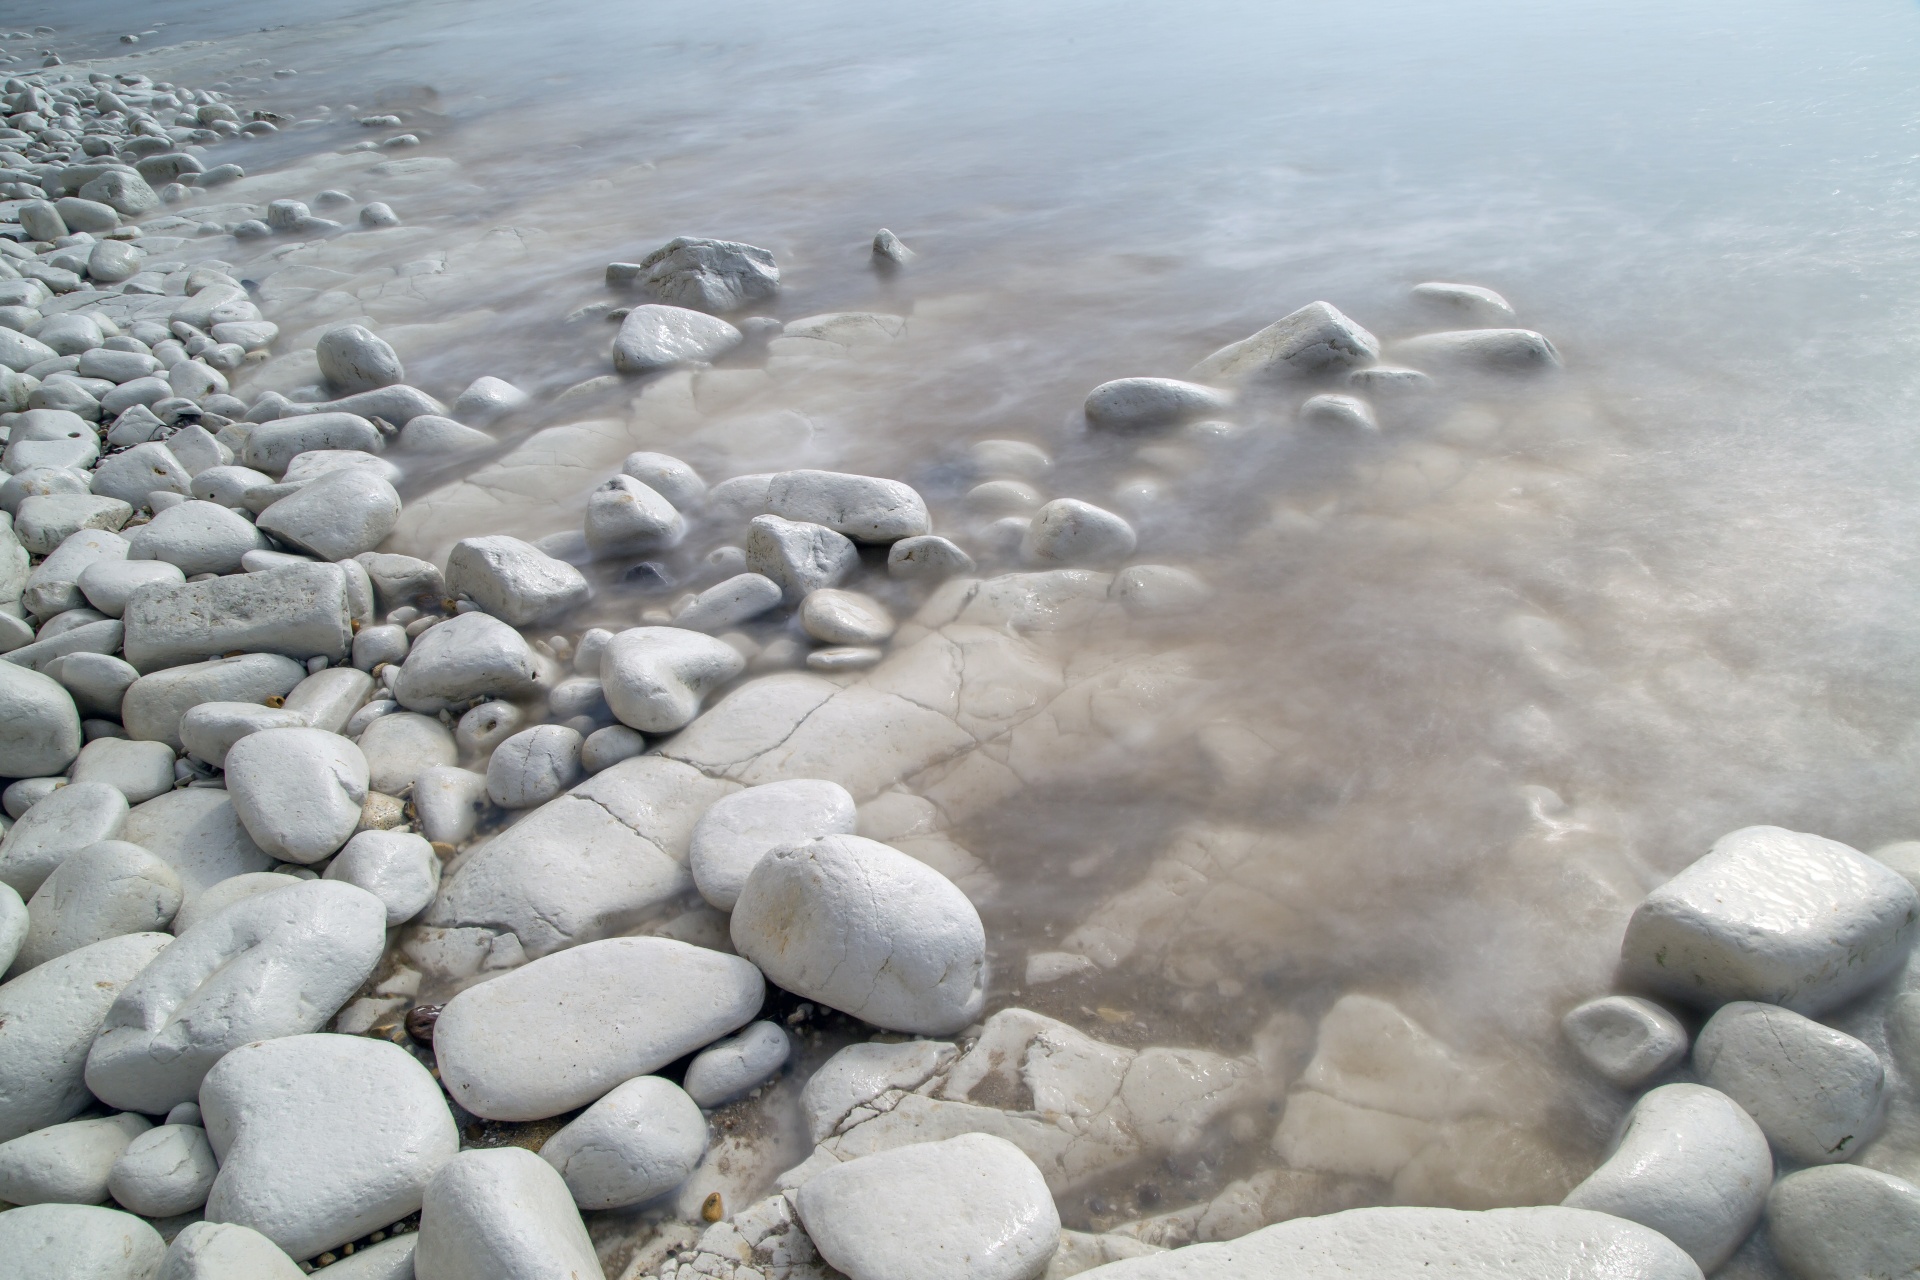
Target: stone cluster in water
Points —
{"points": [[294, 818]]}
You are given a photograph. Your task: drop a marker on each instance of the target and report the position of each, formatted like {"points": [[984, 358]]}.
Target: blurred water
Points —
{"points": [[1475, 684]]}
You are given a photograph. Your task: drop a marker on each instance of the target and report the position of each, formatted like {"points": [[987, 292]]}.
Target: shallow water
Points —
{"points": [[1467, 689]]}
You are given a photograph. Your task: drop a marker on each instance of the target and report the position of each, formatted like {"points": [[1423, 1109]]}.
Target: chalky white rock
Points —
{"points": [[342, 514], [1626, 1039], [1485, 350], [513, 580], [402, 746], [165, 1171], [844, 617], [1144, 404], [534, 766], [863, 928], [353, 359], [864, 508], [137, 770], [1314, 339], [225, 1251], [62, 824], [736, 1066], [712, 275], [502, 1213], [1841, 1222], [1814, 1091], [276, 964], [397, 867], [626, 518], [1069, 532], [298, 792], [39, 725], [62, 1241], [466, 658], [660, 337], [103, 891], [534, 1042], [656, 677], [639, 1141], [737, 831], [155, 705]]}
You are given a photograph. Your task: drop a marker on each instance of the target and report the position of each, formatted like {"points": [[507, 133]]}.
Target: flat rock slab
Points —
{"points": [[1774, 916], [322, 1138], [565, 1029], [1426, 1244], [970, 1208]]}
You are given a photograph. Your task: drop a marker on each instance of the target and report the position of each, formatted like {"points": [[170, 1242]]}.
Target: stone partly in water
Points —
{"points": [[741, 829], [1315, 339], [659, 337], [1626, 1039], [1773, 916], [1144, 404], [716, 276]]}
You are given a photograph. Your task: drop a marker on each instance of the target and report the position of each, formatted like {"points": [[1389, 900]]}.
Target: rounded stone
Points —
{"points": [[604, 748], [211, 901], [1815, 1092], [738, 830], [800, 557], [1692, 1165], [656, 677], [13, 926], [353, 359], [626, 518], [397, 867], [1626, 1039], [844, 617], [39, 725], [502, 1213], [64, 1241], [1143, 404], [1069, 532], [322, 1138], [1842, 1222], [165, 1171], [659, 337], [734, 1067], [298, 792], [927, 558], [139, 771], [973, 1207], [226, 1251], [400, 746], [534, 766], [513, 580], [103, 891], [667, 476], [59, 825], [1338, 412], [561, 1031], [639, 1141], [336, 517], [66, 1163], [272, 965], [867, 930]]}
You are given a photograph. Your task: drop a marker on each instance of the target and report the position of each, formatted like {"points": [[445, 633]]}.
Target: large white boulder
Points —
{"points": [[465, 659], [1815, 1092], [969, 1208], [49, 1018], [1314, 339], [1692, 1165], [275, 964], [1774, 916], [659, 337], [39, 725], [712, 275], [1842, 1222], [59, 825], [656, 677], [66, 1163], [503, 1214], [299, 792], [513, 580], [66, 1241], [322, 1138], [1426, 1244], [103, 891], [639, 1141], [740, 829], [867, 930], [563, 1030]]}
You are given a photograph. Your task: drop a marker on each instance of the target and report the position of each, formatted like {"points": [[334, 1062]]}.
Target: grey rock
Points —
{"points": [[299, 611], [194, 537], [710, 275], [107, 584], [799, 556], [534, 766], [1069, 532], [137, 770], [196, 830], [739, 830], [607, 747], [271, 446], [141, 470], [103, 891], [845, 617], [1470, 302], [464, 659], [513, 580], [449, 801], [927, 558], [39, 725], [62, 824], [864, 508], [66, 1163], [209, 729], [1626, 1039], [1315, 339], [225, 1251], [65, 1241], [402, 580], [401, 746], [727, 604], [342, 514], [626, 518], [1145, 404], [165, 1171], [217, 898], [53, 586], [1483, 350], [329, 698], [43, 523], [1815, 1092], [734, 1067], [667, 476], [398, 868], [488, 399], [1843, 1222], [503, 1213], [353, 359]]}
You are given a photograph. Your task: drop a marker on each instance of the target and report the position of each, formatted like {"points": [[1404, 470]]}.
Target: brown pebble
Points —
{"points": [[711, 1209], [276, 700], [420, 1020]]}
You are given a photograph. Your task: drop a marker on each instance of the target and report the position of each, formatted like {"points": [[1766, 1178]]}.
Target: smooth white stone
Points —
{"points": [[315, 463], [728, 604], [196, 830], [607, 747], [487, 399], [449, 801], [225, 1251], [329, 698], [656, 677], [1626, 1039], [1311, 340], [1843, 1222], [1775, 916], [431, 434], [845, 617], [534, 766], [66, 1163], [298, 792], [375, 646], [661, 337], [271, 446], [352, 359], [1426, 1244], [401, 746], [1159, 590], [44, 522], [103, 891], [211, 901], [75, 816], [463, 659], [864, 508], [535, 1042], [137, 770], [53, 586], [155, 706], [739, 830], [1471, 302], [228, 486], [48, 1020], [1345, 413], [969, 1208], [391, 1259], [165, 1171], [486, 726], [14, 922], [342, 514], [1069, 532], [39, 725], [1692, 1165], [641, 1140], [503, 1214], [712, 275], [322, 1138], [398, 868], [144, 469], [1143, 404], [68, 1241], [97, 681], [513, 580], [626, 518], [736, 1066], [1484, 350], [276, 964], [667, 476], [867, 930], [1815, 1092]]}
